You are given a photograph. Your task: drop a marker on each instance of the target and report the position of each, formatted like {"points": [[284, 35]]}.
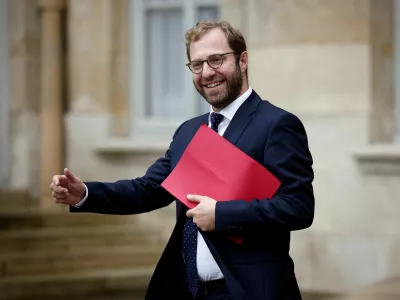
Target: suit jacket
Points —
{"points": [[260, 267]]}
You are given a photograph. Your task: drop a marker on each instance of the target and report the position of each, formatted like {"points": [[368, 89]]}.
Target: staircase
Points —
{"points": [[75, 256]]}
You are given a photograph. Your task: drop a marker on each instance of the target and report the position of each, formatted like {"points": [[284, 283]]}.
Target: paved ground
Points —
{"points": [[385, 290]]}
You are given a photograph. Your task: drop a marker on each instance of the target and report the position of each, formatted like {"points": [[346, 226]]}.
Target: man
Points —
{"points": [[200, 260]]}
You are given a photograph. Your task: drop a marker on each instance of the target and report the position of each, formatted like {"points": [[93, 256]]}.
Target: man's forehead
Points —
{"points": [[213, 42]]}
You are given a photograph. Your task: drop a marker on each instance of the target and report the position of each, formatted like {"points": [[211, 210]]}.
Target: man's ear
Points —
{"points": [[243, 61]]}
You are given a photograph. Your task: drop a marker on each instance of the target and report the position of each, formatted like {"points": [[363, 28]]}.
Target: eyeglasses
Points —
{"points": [[214, 61]]}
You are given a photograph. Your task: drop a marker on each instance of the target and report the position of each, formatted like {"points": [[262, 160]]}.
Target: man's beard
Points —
{"points": [[233, 88]]}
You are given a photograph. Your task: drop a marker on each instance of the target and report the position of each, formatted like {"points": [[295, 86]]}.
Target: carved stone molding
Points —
{"points": [[51, 5], [379, 159]]}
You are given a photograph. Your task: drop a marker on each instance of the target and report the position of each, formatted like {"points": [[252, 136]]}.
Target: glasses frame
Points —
{"points": [[189, 64]]}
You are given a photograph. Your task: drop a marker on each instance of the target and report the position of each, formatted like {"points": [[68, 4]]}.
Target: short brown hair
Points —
{"points": [[235, 38]]}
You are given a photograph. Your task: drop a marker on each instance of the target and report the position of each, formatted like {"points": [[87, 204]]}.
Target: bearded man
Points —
{"points": [[200, 260]]}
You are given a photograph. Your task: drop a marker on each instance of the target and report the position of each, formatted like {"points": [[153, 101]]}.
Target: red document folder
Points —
{"points": [[211, 166]]}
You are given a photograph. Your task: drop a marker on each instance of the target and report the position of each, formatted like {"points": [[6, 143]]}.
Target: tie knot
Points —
{"points": [[216, 119]]}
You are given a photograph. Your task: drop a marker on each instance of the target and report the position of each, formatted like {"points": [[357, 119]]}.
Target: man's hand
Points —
{"points": [[204, 213], [67, 189]]}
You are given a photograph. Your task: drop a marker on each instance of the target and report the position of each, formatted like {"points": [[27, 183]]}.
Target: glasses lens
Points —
{"points": [[196, 66], [215, 61]]}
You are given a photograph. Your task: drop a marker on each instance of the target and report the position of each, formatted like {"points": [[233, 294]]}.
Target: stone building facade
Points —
{"points": [[80, 86]]}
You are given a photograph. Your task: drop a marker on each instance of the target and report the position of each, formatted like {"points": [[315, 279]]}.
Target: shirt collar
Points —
{"points": [[229, 111]]}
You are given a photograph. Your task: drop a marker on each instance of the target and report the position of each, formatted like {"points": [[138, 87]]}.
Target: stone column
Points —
{"points": [[24, 127], [382, 37], [90, 77], [51, 97], [120, 68]]}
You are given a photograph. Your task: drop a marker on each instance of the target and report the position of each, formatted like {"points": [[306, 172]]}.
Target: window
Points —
{"points": [[162, 92]]}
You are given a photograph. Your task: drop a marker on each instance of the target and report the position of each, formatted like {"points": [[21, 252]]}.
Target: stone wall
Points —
{"points": [[98, 143], [24, 141], [326, 61], [329, 62]]}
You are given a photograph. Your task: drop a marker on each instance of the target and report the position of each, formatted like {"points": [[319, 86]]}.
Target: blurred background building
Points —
{"points": [[99, 86]]}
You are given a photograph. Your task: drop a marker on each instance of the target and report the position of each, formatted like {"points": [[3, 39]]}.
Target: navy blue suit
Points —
{"points": [[260, 267]]}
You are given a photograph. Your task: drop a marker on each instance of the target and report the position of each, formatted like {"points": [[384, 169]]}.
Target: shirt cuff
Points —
{"points": [[80, 203]]}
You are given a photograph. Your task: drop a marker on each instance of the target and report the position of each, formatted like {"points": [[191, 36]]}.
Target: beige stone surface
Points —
{"points": [[120, 68], [331, 80], [382, 125], [51, 97], [341, 263], [235, 12], [387, 289], [89, 36], [4, 95], [98, 33], [24, 35], [275, 22], [336, 184]]}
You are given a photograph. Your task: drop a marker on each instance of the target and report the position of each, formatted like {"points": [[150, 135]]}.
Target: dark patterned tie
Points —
{"points": [[190, 233]]}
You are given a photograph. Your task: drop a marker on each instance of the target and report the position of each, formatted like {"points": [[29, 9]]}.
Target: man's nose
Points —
{"points": [[207, 70]]}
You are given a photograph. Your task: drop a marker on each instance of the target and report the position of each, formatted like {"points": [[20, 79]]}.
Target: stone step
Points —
{"points": [[31, 220], [73, 262], [317, 295], [68, 239], [15, 200], [121, 284]]}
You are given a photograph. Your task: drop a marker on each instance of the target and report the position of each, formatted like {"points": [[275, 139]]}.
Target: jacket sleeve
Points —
{"points": [[133, 196], [287, 156]]}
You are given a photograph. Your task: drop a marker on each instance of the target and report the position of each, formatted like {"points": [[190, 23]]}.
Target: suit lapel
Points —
{"points": [[200, 121], [242, 118], [203, 120]]}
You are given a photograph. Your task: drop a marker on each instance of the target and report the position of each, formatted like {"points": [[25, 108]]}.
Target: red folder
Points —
{"points": [[211, 166]]}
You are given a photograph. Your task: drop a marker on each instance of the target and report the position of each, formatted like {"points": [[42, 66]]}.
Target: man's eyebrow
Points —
{"points": [[207, 56]]}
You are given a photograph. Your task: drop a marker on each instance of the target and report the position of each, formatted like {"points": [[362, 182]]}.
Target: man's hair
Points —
{"points": [[235, 38]]}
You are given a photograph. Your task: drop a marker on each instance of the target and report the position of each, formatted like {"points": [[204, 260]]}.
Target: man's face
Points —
{"points": [[220, 86]]}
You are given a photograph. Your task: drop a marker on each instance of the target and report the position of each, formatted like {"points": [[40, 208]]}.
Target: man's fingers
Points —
{"points": [[58, 189], [59, 195], [59, 180], [58, 184], [195, 198], [56, 180], [71, 177], [190, 213], [59, 200]]}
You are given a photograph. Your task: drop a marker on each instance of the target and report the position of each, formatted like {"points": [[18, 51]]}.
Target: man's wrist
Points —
{"points": [[85, 196]]}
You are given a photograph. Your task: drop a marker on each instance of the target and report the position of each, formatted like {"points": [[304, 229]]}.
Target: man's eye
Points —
{"points": [[215, 59], [196, 65]]}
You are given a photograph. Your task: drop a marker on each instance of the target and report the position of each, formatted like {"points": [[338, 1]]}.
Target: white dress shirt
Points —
{"points": [[207, 267]]}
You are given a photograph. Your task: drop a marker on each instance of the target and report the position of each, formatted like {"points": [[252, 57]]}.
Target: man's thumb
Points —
{"points": [[71, 177]]}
